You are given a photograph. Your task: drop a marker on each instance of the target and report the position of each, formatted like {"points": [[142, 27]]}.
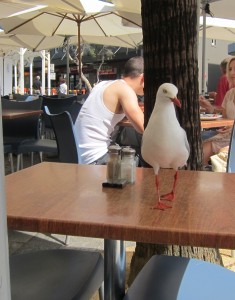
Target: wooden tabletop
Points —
{"points": [[204, 124], [69, 199], [15, 114], [216, 123]]}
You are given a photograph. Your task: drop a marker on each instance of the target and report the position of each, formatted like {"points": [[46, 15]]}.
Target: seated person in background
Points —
{"points": [[222, 139], [207, 107], [108, 103], [223, 84]]}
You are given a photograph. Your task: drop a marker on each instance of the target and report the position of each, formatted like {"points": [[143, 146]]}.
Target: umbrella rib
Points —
{"points": [[73, 6], [62, 19], [100, 27], [25, 22], [39, 43], [126, 19]]}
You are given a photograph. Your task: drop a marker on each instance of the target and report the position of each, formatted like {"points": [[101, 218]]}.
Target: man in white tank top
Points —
{"points": [[107, 104]]}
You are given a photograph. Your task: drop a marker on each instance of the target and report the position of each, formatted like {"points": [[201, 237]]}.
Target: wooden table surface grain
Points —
{"points": [[69, 199]]}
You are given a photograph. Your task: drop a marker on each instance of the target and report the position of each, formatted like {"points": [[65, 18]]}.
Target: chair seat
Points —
{"points": [[40, 145], [56, 274], [179, 278], [7, 148]]}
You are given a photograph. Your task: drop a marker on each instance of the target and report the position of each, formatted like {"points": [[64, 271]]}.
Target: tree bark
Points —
{"points": [[170, 47]]}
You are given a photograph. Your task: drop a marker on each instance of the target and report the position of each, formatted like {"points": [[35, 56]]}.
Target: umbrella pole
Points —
{"points": [[79, 53], [203, 45], [67, 66]]}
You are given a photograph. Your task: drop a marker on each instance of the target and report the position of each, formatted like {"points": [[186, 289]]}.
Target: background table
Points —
{"points": [[204, 124], [69, 199], [216, 123], [15, 114]]}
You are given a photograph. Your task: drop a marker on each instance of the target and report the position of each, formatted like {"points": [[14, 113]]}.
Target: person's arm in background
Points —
{"points": [[119, 98], [204, 103], [131, 108]]}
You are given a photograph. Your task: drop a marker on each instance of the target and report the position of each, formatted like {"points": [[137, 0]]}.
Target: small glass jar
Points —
{"points": [[128, 165], [113, 164]]}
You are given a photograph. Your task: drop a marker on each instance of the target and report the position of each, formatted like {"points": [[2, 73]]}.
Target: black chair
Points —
{"points": [[171, 277], [64, 133], [231, 160], [63, 128], [74, 110], [23, 134], [56, 274], [8, 150], [39, 146], [231, 153], [17, 130], [56, 106]]}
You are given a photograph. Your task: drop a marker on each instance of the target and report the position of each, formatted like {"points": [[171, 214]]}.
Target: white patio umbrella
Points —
{"points": [[219, 33], [8, 8], [37, 42], [58, 5], [48, 23], [82, 6]]}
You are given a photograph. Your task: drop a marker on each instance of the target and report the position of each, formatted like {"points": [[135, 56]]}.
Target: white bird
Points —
{"points": [[164, 142]]}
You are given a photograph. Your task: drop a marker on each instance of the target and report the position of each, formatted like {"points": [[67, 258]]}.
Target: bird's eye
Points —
{"points": [[164, 91]]}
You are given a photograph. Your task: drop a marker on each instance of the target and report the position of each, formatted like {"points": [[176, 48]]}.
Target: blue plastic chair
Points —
{"points": [[231, 153], [180, 278], [231, 160]]}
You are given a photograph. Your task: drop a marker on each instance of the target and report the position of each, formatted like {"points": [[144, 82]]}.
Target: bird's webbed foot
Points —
{"points": [[160, 205], [169, 196]]}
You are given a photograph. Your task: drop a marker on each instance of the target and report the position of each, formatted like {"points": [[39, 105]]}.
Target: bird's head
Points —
{"points": [[168, 91]]}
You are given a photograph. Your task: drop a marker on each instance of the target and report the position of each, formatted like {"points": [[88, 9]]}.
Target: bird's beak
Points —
{"points": [[176, 101]]}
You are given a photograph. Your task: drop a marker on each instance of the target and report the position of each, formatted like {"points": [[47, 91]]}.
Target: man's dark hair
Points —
{"points": [[134, 67]]}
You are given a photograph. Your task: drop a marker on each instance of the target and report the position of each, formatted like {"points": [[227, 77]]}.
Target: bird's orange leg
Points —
{"points": [[171, 196], [159, 205]]}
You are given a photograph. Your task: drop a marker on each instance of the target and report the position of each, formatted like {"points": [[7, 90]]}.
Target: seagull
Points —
{"points": [[164, 141]]}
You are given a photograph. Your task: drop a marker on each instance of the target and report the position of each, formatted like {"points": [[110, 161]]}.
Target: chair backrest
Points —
{"points": [[55, 106], [58, 105], [24, 128], [231, 153], [74, 110], [65, 136], [25, 97], [34, 104]]}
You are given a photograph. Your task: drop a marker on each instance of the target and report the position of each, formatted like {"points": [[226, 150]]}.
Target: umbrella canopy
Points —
{"points": [[223, 9], [53, 23], [219, 10], [58, 5], [80, 6], [219, 33], [48, 23], [8, 8], [38, 43]]}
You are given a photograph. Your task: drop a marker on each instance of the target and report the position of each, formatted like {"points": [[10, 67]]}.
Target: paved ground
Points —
{"points": [[21, 242]]}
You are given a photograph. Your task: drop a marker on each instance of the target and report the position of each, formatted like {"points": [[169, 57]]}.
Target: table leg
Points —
{"points": [[114, 269]]}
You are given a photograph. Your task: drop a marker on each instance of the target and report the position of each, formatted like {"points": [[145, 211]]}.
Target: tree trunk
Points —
{"points": [[170, 47]]}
